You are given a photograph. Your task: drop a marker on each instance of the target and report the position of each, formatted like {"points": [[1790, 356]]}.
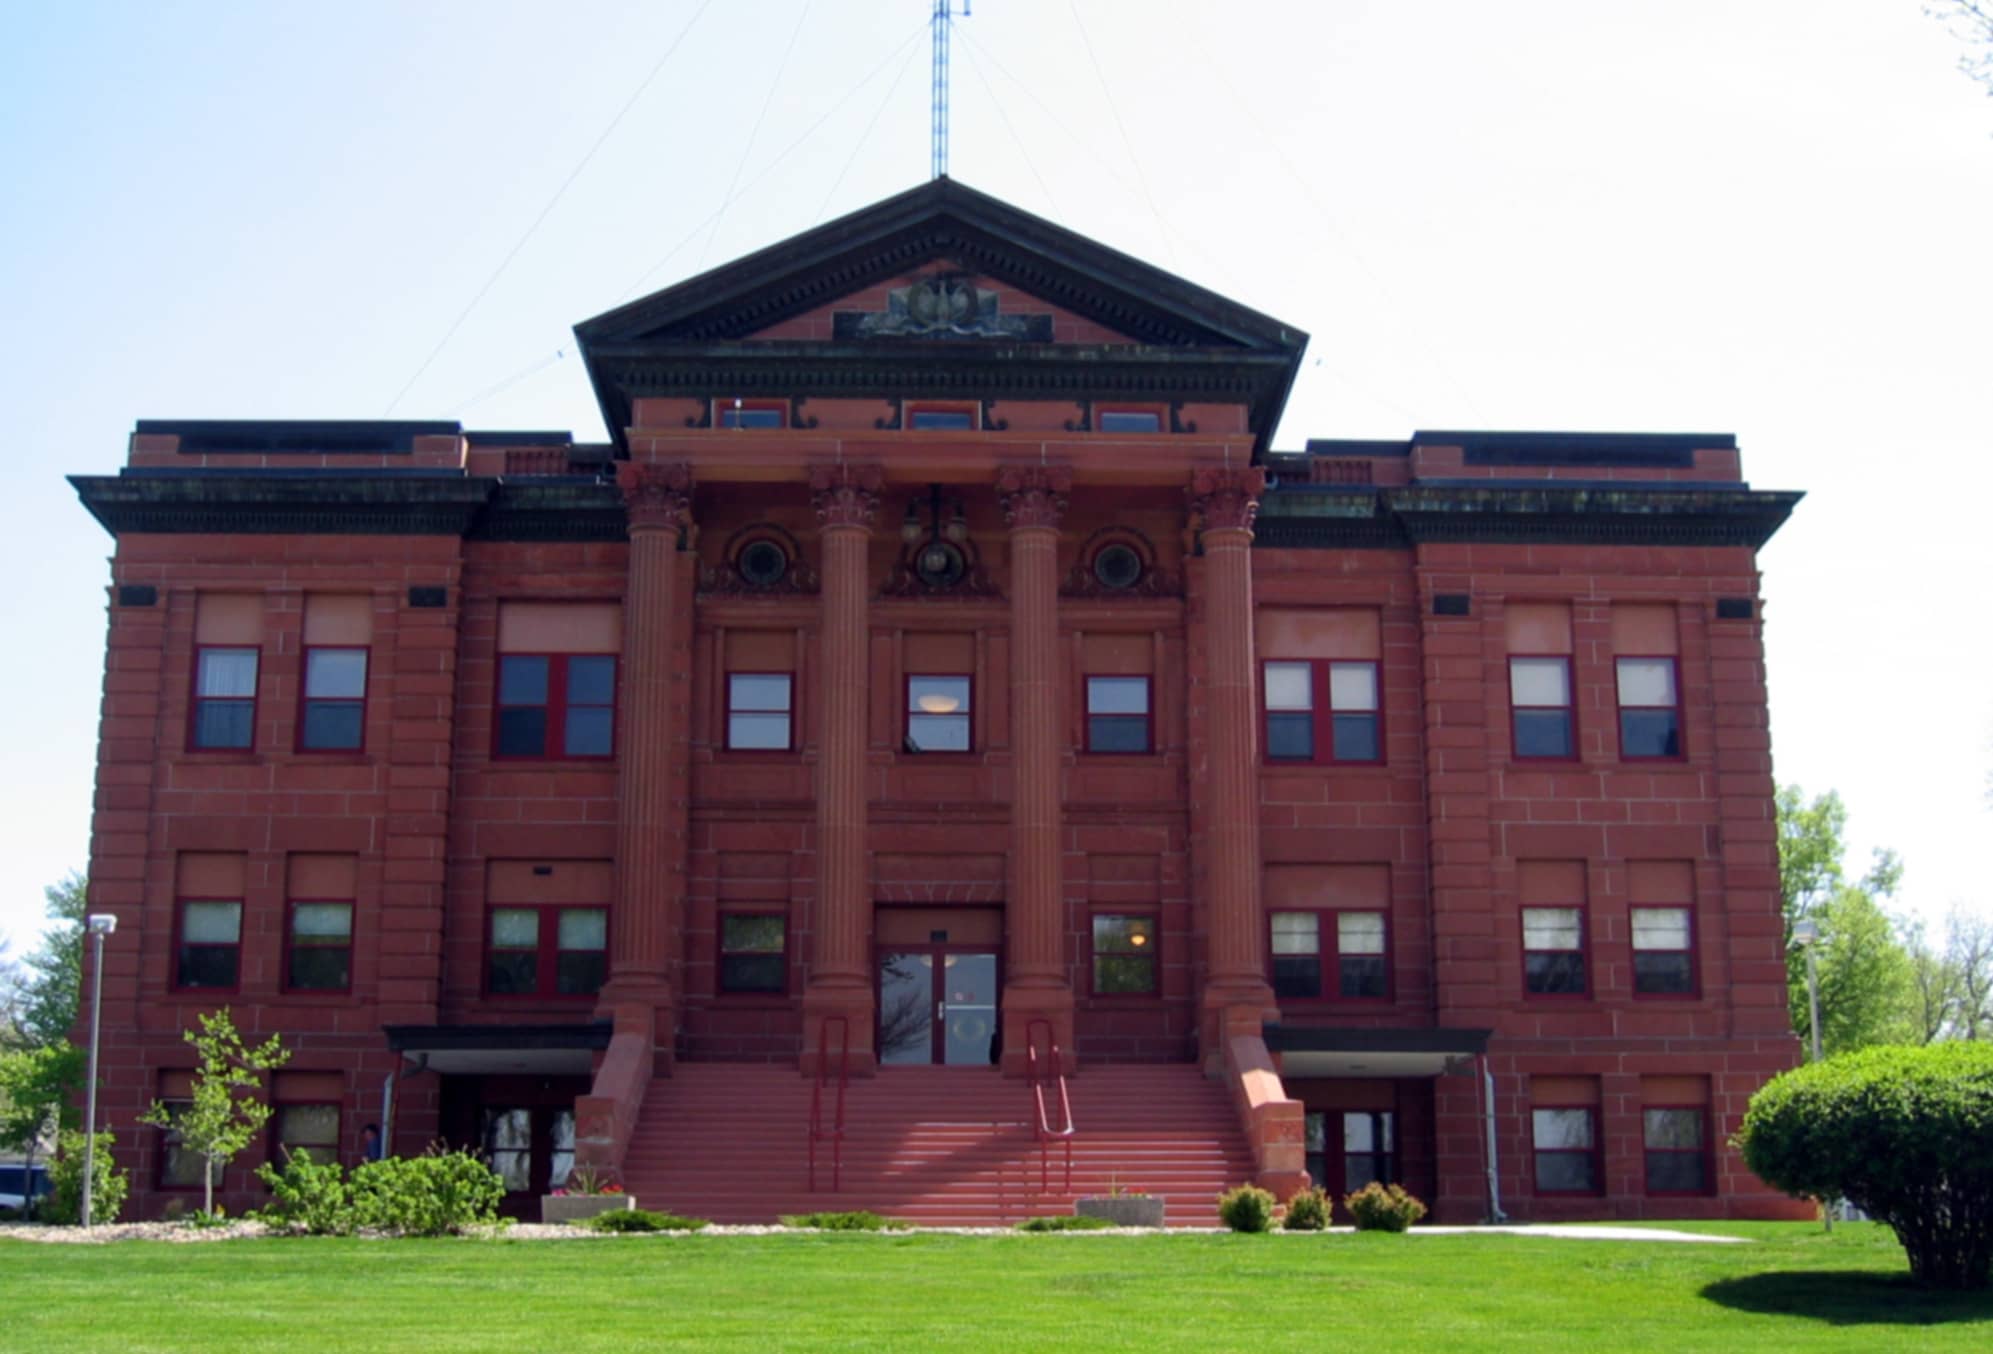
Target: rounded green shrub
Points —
{"points": [[307, 1196], [857, 1221], [1246, 1209], [1906, 1133], [438, 1194], [1383, 1208], [643, 1220], [1307, 1211], [1069, 1223]]}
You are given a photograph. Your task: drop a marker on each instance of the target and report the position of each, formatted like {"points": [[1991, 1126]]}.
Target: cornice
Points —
{"points": [[1511, 515], [267, 505]]}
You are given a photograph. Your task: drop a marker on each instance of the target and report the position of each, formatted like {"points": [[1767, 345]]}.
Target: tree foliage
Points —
{"points": [[46, 986], [1906, 1133], [1971, 22], [38, 1088], [225, 1112]]}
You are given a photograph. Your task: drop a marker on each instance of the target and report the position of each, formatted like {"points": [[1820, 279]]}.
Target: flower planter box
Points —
{"points": [[582, 1207], [1125, 1210]]}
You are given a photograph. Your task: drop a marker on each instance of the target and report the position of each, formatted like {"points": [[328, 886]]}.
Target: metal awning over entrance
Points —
{"points": [[1306, 1051], [500, 1050]]}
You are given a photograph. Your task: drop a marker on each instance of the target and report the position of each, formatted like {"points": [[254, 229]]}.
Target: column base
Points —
{"points": [[1024, 1007], [823, 1007], [648, 1012], [1231, 1009]]}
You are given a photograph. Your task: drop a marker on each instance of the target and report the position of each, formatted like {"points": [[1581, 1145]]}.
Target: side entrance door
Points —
{"points": [[937, 1006]]}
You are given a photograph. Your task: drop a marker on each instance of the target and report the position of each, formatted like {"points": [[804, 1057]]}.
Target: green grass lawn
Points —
{"points": [[1791, 1289]]}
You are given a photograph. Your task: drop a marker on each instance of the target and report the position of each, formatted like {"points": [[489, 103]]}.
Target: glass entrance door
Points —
{"points": [[937, 1006]]}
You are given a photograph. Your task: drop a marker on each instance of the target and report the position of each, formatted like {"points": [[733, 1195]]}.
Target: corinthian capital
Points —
{"points": [[1225, 500], [1034, 495], [657, 497], [846, 495]]}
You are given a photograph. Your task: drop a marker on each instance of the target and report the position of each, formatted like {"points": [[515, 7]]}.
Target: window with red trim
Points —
{"points": [[556, 705], [1322, 710], [1663, 951], [210, 944], [1540, 708], [547, 950], [938, 711], [319, 949], [754, 952], [178, 1166], [1333, 953], [1117, 714], [1124, 954], [1564, 1141], [943, 417], [1127, 419], [300, 1127], [739, 413], [1675, 1143], [335, 700], [1650, 716], [224, 714], [759, 710], [1553, 951]]}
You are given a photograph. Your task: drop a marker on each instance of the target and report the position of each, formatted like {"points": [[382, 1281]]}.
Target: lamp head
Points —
{"points": [[101, 923], [1805, 933]]}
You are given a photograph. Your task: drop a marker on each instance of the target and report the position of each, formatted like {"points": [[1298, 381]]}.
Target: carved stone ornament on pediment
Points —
{"points": [[1119, 562], [761, 560], [946, 306]]}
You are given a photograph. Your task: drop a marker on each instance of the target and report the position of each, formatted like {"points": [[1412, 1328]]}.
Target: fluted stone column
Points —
{"points": [[1237, 998], [840, 984], [651, 823], [1037, 985]]}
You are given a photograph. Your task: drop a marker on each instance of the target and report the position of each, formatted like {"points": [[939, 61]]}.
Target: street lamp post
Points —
{"points": [[1806, 935], [101, 924]]}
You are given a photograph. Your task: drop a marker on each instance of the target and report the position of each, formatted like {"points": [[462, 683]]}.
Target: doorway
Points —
{"points": [[937, 1006]]}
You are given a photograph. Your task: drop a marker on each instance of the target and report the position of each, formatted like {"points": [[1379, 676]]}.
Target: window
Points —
{"points": [[556, 705], [1124, 955], [1649, 711], [753, 952], [1565, 1143], [321, 948], [941, 418], [1370, 1147], [548, 951], [751, 414], [210, 944], [179, 1168], [937, 714], [335, 691], [1674, 1141], [1357, 955], [1540, 708], [224, 698], [758, 708], [307, 1128], [1117, 714], [1663, 951], [1553, 951], [1128, 420], [1346, 690]]}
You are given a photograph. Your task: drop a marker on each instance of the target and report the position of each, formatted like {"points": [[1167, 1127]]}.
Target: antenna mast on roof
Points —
{"points": [[943, 10]]}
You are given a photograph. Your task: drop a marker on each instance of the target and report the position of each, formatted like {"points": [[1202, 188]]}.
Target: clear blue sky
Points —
{"points": [[1769, 218]]}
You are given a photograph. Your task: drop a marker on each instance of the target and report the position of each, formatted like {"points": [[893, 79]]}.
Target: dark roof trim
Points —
{"points": [[1339, 447], [290, 436], [1342, 1039], [1548, 513], [262, 503], [525, 439], [571, 508], [504, 1037]]}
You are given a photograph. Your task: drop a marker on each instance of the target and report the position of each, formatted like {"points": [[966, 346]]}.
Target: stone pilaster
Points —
{"points": [[1037, 985]]}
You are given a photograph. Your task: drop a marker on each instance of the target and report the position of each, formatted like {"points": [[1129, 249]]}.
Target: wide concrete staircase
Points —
{"points": [[941, 1146]]}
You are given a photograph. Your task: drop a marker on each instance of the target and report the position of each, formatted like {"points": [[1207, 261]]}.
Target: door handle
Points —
{"points": [[940, 1011]]}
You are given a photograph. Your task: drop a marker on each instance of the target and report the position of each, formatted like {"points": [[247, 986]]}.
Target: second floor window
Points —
{"points": [[335, 700], [758, 711], [556, 705], [1322, 710], [1117, 714], [1340, 954], [937, 713], [1553, 951], [321, 947], [224, 699], [1650, 720], [1663, 952], [1540, 707], [210, 952]]}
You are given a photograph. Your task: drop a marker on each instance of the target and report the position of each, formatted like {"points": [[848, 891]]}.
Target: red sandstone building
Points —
{"points": [[940, 669]]}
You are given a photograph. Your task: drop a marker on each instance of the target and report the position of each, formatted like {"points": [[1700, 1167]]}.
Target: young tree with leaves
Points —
{"points": [[225, 1112], [38, 1090], [47, 983]]}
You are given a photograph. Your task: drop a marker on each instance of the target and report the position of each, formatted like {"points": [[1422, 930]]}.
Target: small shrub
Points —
{"points": [[590, 1180], [1307, 1211], [202, 1219], [860, 1221], [643, 1220], [1246, 1209], [1066, 1224], [108, 1185], [308, 1196], [437, 1194], [1383, 1208]]}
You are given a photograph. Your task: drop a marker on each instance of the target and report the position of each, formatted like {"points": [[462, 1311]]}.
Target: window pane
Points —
{"points": [[1289, 686], [515, 927], [1646, 681], [942, 419], [211, 923], [1561, 1129], [1568, 1172], [1352, 686], [1117, 695], [750, 418], [584, 928], [1678, 1128], [1296, 932], [1666, 975], [591, 681], [208, 965], [1316, 1129], [1297, 976], [1551, 928], [1360, 932], [1130, 421], [758, 691], [1660, 928], [1649, 733], [1122, 974], [1676, 1172], [1117, 733], [589, 731], [522, 681], [223, 724], [1362, 976], [1543, 733], [309, 1126], [1123, 934], [1539, 681], [758, 732], [1389, 1120], [938, 733], [753, 973], [579, 973], [321, 968], [938, 695], [1359, 1171], [336, 674], [522, 732], [1290, 737], [747, 934], [1355, 738], [514, 972], [331, 726], [1559, 973], [227, 672], [1358, 1133], [322, 921]]}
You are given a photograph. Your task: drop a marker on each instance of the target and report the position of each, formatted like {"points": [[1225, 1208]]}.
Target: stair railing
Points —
{"points": [[1047, 1130], [834, 1132]]}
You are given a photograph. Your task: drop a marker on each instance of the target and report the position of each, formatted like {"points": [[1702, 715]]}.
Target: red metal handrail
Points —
{"points": [[1055, 1069], [835, 1133]]}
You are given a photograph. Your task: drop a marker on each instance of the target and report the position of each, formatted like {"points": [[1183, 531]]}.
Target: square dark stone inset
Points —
{"points": [[428, 597], [1451, 604], [1734, 609], [137, 594]]}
